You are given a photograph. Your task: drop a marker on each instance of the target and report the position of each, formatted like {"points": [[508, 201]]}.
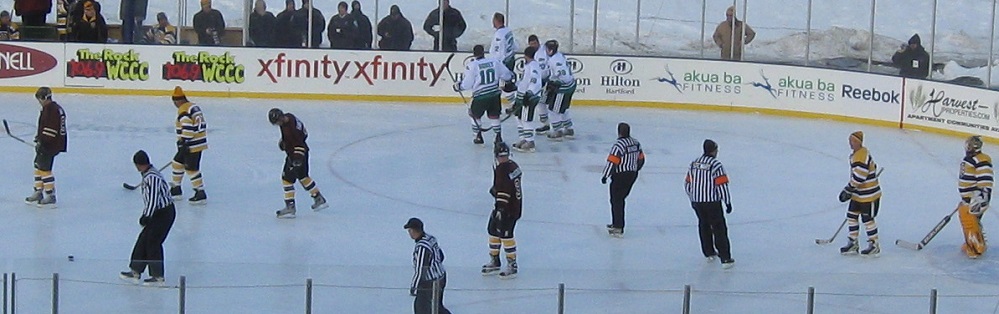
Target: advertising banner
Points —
{"points": [[951, 107], [32, 64]]}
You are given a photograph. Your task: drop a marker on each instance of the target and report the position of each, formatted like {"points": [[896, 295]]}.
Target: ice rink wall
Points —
{"points": [[427, 77]]}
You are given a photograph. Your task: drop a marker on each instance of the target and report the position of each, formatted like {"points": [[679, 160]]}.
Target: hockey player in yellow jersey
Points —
{"points": [[864, 193], [191, 142], [975, 186]]}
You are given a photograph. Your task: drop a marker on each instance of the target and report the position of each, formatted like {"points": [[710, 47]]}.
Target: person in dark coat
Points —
{"points": [[91, 27], [454, 27], [209, 25], [301, 23], [32, 12], [363, 38], [912, 60], [396, 31], [342, 29], [132, 13], [285, 35], [261, 26]]}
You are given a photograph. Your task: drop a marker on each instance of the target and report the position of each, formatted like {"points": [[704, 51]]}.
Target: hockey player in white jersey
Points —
{"points": [[541, 57], [528, 96], [561, 86], [503, 49], [483, 76]]}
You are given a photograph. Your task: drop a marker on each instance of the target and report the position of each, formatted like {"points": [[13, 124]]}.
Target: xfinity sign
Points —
{"points": [[871, 94]]}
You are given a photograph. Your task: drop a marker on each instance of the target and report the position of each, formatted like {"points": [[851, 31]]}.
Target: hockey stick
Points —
{"points": [[7, 129], [133, 187], [833, 237], [929, 236], [830, 240], [447, 66]]}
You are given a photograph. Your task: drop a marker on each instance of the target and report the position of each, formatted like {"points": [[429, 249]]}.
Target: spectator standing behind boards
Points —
{"points": [[285, 35], [91, 27], [342, 28], [396, 31], [301, 23], [732, 49], [261, 26], [209, 25], [454, 26], [363, 38], [32, 12], [132, 13], [912, 60], [162, 33], [8, 31]]}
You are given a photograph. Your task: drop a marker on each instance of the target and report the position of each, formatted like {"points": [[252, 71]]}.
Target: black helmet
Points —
{"points": [[973, 144], [501, 150], [552, 45], [274, 115], [43, 93]]}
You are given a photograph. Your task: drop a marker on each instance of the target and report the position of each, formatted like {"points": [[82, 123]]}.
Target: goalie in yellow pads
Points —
{"points": [[975, 186]]}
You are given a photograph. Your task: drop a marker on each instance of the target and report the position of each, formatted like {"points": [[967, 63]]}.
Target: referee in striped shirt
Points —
{"points": [[707, 186], [157, 218], [427, 269], [623, 163]]}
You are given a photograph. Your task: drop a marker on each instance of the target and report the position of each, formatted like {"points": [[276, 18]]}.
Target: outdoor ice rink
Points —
{"points": [[380, 163]]}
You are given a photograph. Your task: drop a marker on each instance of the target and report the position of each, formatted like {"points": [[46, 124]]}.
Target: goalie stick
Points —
{"points": [[133, 187], [6, 128], [929, 236], [833, 237]]}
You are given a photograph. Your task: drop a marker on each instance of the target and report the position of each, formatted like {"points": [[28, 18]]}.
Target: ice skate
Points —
{"points": [[524, 146], [543, 130], [34, 198], [199, 198], [729, 263], [130, 276], [569, 133], [478, 138], [511, 270], [851, 248], [873, 250], [48, 201], [319, 202], [153, 281], [491, 268], [176, 193], [288, 211], [555, 135]]}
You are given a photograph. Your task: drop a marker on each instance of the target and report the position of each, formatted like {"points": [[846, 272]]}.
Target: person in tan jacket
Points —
{"points": [[732, 50]]}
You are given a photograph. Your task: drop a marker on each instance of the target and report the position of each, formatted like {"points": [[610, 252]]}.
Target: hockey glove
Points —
{"points": [[552, 87], [846, 193], [728, 208], [182, 146], [603, 180], [492, 191], [509, 87], [281, 145]]}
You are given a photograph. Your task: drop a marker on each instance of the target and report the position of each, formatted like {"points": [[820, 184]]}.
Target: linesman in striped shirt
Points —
{"points": [[428, 259], [975, 185], [707, 186], [623, 163], [864, 193], [192, 140], [157, 218]]}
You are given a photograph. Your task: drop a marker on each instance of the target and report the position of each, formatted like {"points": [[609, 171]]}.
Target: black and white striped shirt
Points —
{"points": [[427, 260], [626, 155], [155, 192], [706, 181]]}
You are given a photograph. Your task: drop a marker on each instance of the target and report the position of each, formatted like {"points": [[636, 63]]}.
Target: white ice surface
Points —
{"points": [[380, 164]]}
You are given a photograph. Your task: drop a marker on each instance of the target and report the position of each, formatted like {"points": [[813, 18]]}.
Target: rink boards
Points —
{"points": [[428, 76]]}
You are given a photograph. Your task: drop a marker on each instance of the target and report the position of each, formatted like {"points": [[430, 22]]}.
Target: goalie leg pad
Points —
{"points": [[974, 239]]}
